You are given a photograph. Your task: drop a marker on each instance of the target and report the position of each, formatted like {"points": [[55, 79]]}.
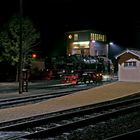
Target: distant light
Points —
{"points": [[70, 36], [34, 55]]}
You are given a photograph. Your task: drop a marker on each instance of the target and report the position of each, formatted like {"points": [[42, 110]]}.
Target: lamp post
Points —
{"points": [[20, 47], [108, 56], [108, 48]]}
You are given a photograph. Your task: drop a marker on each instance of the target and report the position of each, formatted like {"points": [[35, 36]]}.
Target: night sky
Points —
{"points": [[119, 20]]}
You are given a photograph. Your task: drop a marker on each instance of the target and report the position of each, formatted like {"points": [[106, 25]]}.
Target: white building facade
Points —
{"points": [[129, 66]]}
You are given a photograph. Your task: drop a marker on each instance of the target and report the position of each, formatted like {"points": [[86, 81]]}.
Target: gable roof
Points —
{"points": [[134, 52]]}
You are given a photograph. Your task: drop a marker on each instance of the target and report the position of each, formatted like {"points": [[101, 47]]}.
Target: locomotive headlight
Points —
{"points": [[72, 71], [106, 77]]}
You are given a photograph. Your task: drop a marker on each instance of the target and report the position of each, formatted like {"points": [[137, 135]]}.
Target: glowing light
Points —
{"points": [[34, 55], [81, 43], [111, 43], [70, 36]]}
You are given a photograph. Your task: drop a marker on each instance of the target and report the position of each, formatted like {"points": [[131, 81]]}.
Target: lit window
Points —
{"points": [[75, 37], [95, 37], [98, 36], [91, 36], [103, 37], [130, 64]]}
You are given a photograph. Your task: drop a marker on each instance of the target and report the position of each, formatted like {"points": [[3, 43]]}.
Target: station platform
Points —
{"points": [[91, 96]]}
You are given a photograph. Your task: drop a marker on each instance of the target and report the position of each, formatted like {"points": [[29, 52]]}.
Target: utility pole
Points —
{"points": [[20, 47]]}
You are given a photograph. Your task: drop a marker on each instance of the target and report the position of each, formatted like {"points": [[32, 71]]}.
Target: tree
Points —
{"points": [[10, 39]]}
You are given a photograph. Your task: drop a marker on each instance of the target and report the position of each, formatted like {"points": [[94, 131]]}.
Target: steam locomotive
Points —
{"points": [[76, 68]]}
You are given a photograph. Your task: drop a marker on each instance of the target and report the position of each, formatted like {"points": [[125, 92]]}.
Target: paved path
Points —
{"points": [[90, 96]]}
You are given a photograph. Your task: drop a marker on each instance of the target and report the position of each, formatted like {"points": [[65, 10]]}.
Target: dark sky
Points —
{"points": [[119, 20]]}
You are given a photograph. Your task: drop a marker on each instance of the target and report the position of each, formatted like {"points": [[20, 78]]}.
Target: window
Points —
{"points": [[75, 37], [130, 64], [92, 36], [98, 37]]}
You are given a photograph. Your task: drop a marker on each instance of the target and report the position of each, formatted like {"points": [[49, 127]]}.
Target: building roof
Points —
{"points": [[134, 52], [128, 54], [90, 30]]}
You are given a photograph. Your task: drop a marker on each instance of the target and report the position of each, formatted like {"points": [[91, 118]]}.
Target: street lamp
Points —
{"points": [[110, 43], [108, 48]]}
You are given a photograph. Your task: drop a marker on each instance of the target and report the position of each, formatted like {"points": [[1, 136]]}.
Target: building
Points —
{"points": [[129, 65], [87, 42]]}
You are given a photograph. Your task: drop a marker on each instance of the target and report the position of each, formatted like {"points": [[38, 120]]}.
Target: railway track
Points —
{"points": [[42, 92], [131, 135], [51, 125], [53, 92]]}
